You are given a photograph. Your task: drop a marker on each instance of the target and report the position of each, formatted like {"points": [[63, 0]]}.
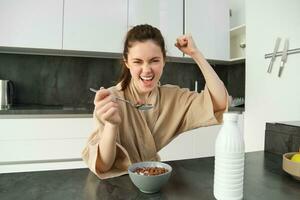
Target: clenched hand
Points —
{"points": [[106, 107]]}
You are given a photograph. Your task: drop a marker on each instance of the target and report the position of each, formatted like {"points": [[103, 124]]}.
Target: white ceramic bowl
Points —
{"points": [[149, 184]]}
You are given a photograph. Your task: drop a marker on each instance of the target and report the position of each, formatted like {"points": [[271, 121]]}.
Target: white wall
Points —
{"points": [[269, 98]]}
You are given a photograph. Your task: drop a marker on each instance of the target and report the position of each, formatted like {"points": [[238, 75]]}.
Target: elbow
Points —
{"points": [[103, 167], [221, 106]]}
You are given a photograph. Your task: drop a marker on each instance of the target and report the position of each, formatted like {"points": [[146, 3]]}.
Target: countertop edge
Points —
{"points": [[27, 116]]}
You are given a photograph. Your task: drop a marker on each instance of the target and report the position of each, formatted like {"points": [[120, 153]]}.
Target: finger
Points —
{"points": [[140, 101], [101, 94], [107, 106], [181, 42], [110, 113], [101, 111], [102, 102]]}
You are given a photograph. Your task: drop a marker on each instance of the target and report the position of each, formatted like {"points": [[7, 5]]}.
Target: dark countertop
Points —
{"points": [[60, 110], [190, 179], [46, 109]]}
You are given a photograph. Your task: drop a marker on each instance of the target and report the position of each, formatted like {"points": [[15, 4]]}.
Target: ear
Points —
{"points": [[125, 62]]}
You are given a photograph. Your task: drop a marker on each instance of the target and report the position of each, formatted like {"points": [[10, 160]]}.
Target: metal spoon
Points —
{"points": [[142, 107]]}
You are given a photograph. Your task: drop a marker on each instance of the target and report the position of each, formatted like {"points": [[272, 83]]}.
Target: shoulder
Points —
{"points": [[172, 89], [176, 93]]}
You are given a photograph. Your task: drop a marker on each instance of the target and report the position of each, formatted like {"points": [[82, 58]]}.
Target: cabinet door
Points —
{"points": [[166, 15], [26, 140], [182, 147], [195, 143], [95, 25], [237, 8], [31, 23], [199, 142], [208, 22]]}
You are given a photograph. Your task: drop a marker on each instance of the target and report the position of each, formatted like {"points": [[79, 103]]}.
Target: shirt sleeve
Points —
{"points": [[198, 110], [91, 155]]}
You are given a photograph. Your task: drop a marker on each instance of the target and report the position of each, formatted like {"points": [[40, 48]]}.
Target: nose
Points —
{"points": [[147, 67]]}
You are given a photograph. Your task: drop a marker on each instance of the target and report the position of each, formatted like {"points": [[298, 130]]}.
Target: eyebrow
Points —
{"points": [[155, 58], [150, 58]]}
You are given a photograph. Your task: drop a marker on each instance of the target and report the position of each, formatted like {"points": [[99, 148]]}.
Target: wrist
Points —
{"points": [[196, 54], [111, 125]]}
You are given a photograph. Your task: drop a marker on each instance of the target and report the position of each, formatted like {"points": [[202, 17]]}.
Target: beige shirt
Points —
{"points": [[142, 134]]}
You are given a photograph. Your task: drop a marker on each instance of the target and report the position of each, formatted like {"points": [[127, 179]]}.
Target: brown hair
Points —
{"points": [[139, 33]]}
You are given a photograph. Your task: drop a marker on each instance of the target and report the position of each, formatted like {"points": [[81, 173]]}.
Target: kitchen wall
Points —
{"points": [[268, 97], [62, 80]]}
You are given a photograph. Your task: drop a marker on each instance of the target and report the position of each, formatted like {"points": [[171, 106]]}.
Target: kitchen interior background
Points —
{"points": [[43, 80]]}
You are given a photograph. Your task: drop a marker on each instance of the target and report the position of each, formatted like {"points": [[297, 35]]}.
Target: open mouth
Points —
{"points": [[146, 78]]}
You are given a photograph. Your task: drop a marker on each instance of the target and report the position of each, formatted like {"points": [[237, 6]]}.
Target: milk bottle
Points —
{"points": [[229, 160]]}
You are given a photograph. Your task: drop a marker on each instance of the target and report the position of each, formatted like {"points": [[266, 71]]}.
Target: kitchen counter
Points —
{"points": [[46, 109], [190, 179], [38, 111], [42, 111]]}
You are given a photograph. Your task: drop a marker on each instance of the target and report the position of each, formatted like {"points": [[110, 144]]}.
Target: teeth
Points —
{"points": [[147, 78]]}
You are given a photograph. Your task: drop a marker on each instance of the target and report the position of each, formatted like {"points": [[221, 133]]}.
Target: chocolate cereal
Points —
{"points": [[150, 171]]}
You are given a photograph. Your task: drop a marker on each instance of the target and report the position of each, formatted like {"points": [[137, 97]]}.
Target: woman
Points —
{"points": [[125, 135]]}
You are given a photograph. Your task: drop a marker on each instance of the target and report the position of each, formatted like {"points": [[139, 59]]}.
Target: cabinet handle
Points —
{"points": [[242, 45]]}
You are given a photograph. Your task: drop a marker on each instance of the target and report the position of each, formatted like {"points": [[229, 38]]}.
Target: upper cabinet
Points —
{"points": [[31, 23], [167, 15], [95, 25], [237, 13], [101, 25], [238, 29], [208, 22]]}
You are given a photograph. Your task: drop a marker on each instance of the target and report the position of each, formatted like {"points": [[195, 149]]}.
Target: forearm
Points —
{"points": [[213, 82], [107, 147]]}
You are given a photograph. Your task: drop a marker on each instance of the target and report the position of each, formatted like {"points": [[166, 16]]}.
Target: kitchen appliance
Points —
{"points": [[6, 94]]}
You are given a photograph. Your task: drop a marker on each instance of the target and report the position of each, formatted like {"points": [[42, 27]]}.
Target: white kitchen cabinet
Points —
{"points": [[37, 143], [195, 143], [31, 23], [166, 15], [238, 42], [237, 11], [95, 25], [208, 22], [238, 29]]}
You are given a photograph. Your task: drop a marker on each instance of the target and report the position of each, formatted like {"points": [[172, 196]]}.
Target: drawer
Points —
{"points": [[41, 150], [45, 128]]}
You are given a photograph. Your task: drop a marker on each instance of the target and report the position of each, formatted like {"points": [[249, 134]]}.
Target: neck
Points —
{"points": [[140, 95]]}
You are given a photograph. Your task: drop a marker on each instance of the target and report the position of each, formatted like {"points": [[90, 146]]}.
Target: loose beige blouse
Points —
{"points": [[142, 134]]}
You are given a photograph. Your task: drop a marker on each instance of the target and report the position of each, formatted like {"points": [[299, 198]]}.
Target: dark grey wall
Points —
{"points": [[60, 80]]}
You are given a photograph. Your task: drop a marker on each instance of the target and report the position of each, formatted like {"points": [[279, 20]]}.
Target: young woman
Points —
{"points": [[126, 135]]}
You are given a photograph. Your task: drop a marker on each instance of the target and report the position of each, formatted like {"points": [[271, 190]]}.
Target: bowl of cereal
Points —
{"points": [[149, 177]]}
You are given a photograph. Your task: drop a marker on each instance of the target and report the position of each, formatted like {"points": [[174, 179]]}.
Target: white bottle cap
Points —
{"points": [[230, 116]]}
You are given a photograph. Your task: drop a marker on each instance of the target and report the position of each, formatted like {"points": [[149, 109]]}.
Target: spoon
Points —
{"points": [[142, 107]]}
